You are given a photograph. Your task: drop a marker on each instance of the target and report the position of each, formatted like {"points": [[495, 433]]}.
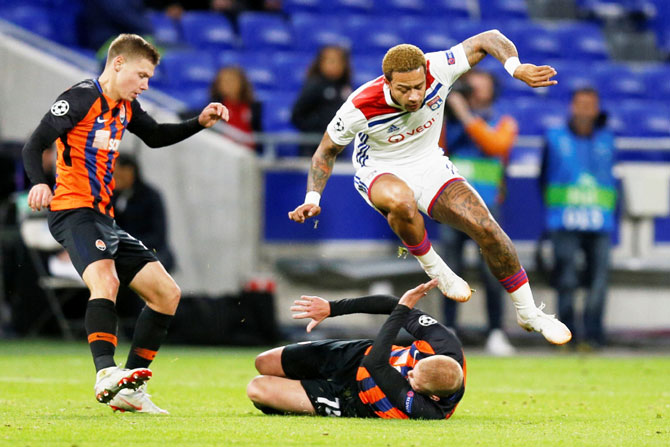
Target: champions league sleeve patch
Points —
{"points": [[60, 108], [451, 60], [408, 402]]}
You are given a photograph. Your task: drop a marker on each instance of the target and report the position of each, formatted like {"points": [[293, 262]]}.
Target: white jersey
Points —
{"points": [[385, 133]]}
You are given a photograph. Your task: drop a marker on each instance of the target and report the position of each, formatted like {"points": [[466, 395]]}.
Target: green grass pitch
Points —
{"points": [[46, 398]]}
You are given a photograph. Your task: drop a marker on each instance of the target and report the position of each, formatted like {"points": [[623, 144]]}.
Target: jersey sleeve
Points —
{"points": [[422, 326], [68, 109], [372, 304], [346, 123], [448, 66], [160, 135]]}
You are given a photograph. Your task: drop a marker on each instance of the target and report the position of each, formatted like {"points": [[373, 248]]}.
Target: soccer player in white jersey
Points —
{"points": [[396, 121]]}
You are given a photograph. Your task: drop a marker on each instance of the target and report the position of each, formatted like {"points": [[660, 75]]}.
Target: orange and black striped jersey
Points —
{"points": [[88, 126], [382, 378]]}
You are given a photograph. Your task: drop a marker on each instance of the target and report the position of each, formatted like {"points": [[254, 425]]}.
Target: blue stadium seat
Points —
{"points": [[449, 10], [536, 44], [32, 18], [186, 69], [570, 78], [618, 82], [645, 118], [166, 31], [208, 30], [535, 116], [365, 68], [226, 58], [503, 9], [385, 35], [427, 35], [263, 31], [583, 41], [291, 69], [260, 70], [301, 6], [400, 7], [657, 82], [276, 117], [194, 97], [347, 7], [309, 34]]}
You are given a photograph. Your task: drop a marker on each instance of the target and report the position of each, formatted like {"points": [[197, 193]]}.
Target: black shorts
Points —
{"points": [[90, 236], [327, 371]]}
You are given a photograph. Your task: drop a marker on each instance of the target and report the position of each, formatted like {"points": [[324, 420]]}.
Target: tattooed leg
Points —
{"points": [[460, 206]]}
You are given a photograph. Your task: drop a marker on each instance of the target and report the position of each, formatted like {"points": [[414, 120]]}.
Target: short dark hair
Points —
{"points": [[586, 89], [133, 46]]}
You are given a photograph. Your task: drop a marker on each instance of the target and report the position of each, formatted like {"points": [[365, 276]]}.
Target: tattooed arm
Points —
{"points": [[322, 166], [493, 42]]}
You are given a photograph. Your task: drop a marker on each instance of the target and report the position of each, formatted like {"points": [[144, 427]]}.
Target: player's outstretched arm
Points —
{"points": [[493, 42], [322, 166], [412, 296], [313, 307]]}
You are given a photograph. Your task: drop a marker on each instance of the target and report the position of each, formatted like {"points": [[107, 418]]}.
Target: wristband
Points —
{"points": [[511, 65], [313, 198]]}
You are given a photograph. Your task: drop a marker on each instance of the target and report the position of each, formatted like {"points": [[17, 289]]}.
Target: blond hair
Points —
{"points": [[441, 375], [403, 58], [132, 46]]}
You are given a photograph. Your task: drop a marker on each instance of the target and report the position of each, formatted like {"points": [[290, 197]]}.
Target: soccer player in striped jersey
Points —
{"points": [[87, 122], [365, 378], [396, 121]]}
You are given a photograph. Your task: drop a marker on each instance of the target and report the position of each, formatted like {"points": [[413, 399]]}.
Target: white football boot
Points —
{"points": [[109, 381], [136, 401], [548, 325], [450, 284]]}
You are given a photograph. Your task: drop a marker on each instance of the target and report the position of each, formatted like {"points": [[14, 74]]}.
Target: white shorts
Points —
{"points": [[427, 180]]}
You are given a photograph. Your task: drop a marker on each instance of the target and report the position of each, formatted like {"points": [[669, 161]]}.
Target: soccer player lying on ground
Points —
{"points": [[396, 121], [365, 378], [87, 122]]}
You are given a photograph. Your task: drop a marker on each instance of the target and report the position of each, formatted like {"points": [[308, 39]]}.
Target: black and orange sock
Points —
{"points": [[150, 331], [100, 321]]}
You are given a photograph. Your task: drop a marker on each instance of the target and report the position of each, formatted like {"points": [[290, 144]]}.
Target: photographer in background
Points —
{"points": [[478, 142]]}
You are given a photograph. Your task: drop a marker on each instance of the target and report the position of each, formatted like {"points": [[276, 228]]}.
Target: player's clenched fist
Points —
{"points": [[212, 113], [303, 212], [39, 196], [536, 76]]}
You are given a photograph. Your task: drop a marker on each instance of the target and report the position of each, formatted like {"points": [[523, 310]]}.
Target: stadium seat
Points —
{"points": [[386, 34], [570, 78], [536, 44], [260, 70], [226, 58], [309, 34], [503, 9], [400, 7], [365, 68], [618, 82], [582, 41], [535, 116], [166, 31], [645, 118], [276, 117], [194, 97], [207, 30], [291, 7], [32, 18], [656, 81], [187, 69], [450, 9], [264, 31], [291, 69], [428, 36], [347, 7]]}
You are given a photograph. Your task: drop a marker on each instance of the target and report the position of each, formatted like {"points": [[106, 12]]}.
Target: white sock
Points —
{"points": [[523, 301], [430, 259]]}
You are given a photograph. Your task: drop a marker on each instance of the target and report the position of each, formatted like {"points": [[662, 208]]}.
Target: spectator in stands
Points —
{"points": [[580, 198], [139, 208], [478, 140], [327, 86], [232, 88]]}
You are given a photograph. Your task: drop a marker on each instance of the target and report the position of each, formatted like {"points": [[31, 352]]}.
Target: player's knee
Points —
{"points": [[106, 286], [403, 207], [262, 362], [256, 389], [171, 296]]}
